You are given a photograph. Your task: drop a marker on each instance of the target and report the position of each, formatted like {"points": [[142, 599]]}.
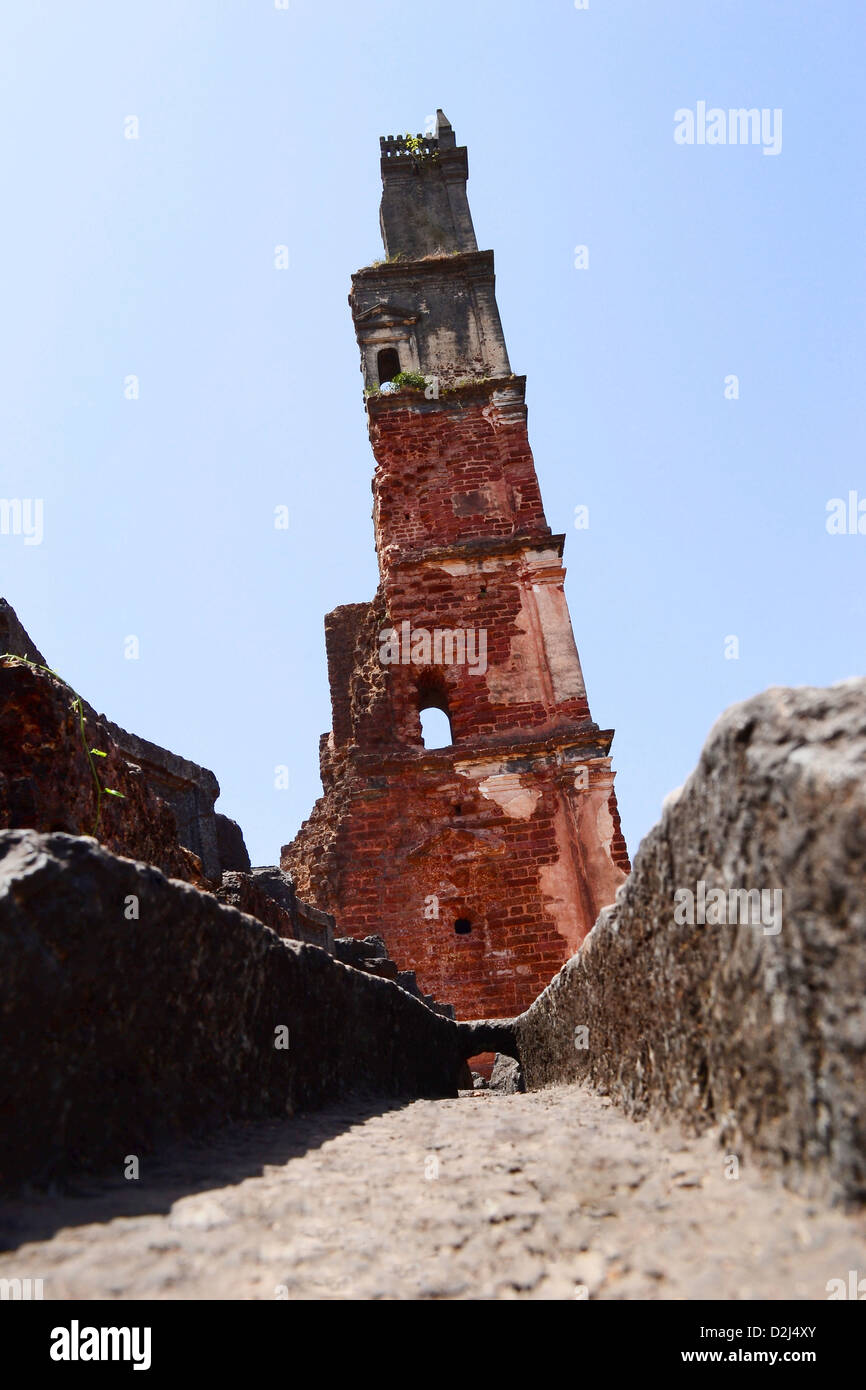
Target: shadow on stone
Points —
{"points": [[223, 1158]]}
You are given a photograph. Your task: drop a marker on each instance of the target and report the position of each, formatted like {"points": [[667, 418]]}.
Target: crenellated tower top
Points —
{"points": [[424, 208], [430, 307]]}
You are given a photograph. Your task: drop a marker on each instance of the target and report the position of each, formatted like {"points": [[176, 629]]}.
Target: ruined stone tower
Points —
{"points": [[484, 863]]}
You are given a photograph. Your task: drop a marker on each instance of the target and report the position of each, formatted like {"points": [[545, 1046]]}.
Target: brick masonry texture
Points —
{"points": [[514, 828], [484, 864]]}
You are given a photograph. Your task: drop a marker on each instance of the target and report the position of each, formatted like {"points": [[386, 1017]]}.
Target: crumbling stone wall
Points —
{"points": [[188, 789], [134, 1008], [269, 895], [454, 335], [13, 637], [47, 779], [424, 206], [758, 1025], [48, 785]]}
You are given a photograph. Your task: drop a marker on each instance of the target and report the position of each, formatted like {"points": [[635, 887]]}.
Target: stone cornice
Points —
{"points": [[450, 397], [482, 548], [588, 743], [474, 263]]}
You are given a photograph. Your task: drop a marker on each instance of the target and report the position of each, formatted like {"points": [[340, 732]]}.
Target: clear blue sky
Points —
{"points": [[260, 127]]}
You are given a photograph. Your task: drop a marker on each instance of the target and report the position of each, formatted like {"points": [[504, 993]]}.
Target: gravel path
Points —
{"points": [[553, 1195]]}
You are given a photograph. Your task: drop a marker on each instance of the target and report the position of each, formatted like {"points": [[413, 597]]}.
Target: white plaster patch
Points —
{"points": [[489, 564], [604, 825], [477, 770], [460, 568], [556, 882], [508, 792], [511, 682], [562, 658]]}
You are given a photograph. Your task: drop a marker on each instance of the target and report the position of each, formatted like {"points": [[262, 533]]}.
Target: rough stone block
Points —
{"points": [[48, 771], [135, 1007], [233, 853], [758, 1025]]}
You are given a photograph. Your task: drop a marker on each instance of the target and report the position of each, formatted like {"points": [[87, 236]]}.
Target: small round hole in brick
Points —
{"points": [[462, 926]]}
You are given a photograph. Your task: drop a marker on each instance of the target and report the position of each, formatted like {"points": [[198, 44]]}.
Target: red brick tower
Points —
{"points": [[484, 863]]}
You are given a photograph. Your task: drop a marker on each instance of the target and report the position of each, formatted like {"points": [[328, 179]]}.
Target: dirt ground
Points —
{"points": [[551, 1195]]}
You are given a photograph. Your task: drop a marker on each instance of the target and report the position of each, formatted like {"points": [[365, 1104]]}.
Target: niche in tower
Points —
{"points": [[387, 364]]}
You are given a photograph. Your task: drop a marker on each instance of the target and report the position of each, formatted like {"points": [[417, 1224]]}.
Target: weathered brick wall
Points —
{"points": [[514, 828], [453, 470], [482, 865], [515, 692], [421, 843]]}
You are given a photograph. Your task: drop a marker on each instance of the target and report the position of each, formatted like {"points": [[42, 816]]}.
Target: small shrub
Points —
{"points": [[409, 379]]}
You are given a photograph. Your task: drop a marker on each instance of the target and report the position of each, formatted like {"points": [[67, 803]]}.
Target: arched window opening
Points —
{"points": [[435, 728], [433, 711], [387, 364]]}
